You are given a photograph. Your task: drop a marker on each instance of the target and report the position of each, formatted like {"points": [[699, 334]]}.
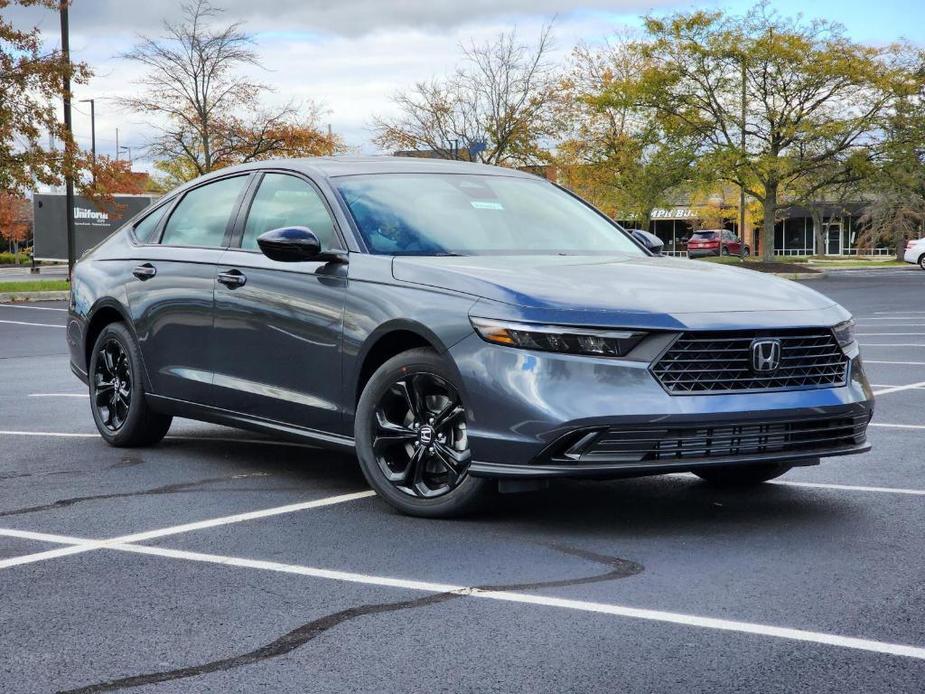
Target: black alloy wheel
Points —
{"points": [[420, 442], [120, 409], [112, 385]]}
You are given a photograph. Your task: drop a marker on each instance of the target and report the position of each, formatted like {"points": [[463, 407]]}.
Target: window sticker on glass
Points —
{"points": [[486, 205]]}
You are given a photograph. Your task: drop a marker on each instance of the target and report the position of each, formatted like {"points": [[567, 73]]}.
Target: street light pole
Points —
{"points": [[128, 148], [69, 142], [741, 184], [92, 103]]}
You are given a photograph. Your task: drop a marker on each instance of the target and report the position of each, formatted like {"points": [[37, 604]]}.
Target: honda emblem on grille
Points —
{"points": [[765, 356]]}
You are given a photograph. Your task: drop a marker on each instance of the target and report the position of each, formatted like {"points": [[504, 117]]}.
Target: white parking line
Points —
{"points": [[898, 363], [896, 426], [896, 389], [79, 545], [40, 325], [33, 308], [681, 619], [850, 487], [59, 395], [894, 344], [886, 334]]}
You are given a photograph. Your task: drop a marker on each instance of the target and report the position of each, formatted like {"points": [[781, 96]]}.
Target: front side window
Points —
{"points": [[201, 217], [146, 229], [454, 214], [287, 201]]}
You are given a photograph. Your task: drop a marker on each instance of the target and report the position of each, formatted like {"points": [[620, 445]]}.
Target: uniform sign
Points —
{"points": [[91, 225]]}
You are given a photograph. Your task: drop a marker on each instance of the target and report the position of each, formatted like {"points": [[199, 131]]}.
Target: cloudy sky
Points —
{"points": [[350, 55]]}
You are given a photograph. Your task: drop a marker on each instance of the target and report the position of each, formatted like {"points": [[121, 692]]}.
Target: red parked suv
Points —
{"points": [[715, 242]]}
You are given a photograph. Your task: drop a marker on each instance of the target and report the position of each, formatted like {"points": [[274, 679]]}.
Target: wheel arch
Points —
{"points": [[106, 312], [389, 340]]}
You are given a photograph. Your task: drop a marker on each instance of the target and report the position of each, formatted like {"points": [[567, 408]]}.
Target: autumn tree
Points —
{"points": [[31, 85], [896, 211], [614, 152], [208, 112], [496, 108], [15, 220], [812, 96]]}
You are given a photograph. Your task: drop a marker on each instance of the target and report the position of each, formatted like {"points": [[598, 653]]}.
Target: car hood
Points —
{"points": [[626, 284]]}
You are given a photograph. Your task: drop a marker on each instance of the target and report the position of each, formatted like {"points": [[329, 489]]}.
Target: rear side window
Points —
{"points": [[146, 229], [201, 217], [704, 236], [287, 201]]}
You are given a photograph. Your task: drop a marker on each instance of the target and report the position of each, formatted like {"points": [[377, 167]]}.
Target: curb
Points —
{"points": [[801, 275], [14, 297]]}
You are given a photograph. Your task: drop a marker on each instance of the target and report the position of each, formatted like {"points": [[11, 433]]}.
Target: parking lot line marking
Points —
{"points": [[545, 601], [885, 334], [33, 308], [241, 517], [40, 325], [59, 395], [78, 545], [849, 487], [896, 389], [897, 426], [898, 363], [50, 434], [891, 344]]}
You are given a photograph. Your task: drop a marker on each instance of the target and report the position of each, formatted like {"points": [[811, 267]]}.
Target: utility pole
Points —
{"points": [[92, 131], [69, 143], [128, 148], [117, 144], [741, 184]]}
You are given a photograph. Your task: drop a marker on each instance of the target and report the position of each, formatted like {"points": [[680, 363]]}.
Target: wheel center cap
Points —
{"points": [[426, 435]]}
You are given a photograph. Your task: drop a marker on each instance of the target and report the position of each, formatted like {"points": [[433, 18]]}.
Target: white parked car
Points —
{"points": [[915, 252]]}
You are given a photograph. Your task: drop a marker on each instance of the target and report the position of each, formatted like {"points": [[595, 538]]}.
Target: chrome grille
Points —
{"points": [[645, 443], [720, 362]]}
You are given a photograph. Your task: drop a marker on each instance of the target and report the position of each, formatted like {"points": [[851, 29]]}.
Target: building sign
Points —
{"points": [[91, 225], [673, 213]]}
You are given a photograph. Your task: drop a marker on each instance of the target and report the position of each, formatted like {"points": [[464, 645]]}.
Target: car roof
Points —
{"points": [[332, 167]]}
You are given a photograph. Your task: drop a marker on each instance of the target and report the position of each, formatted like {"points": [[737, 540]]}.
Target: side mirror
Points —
{"points": [[296, 244]]}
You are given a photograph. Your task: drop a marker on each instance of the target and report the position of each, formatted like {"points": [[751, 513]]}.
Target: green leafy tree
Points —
{"points": [[615, 153], [812, 96]]}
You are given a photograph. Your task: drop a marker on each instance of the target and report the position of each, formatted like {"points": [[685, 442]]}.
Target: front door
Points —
{"points": [[278, 326], [833, 239], [171, 292]]}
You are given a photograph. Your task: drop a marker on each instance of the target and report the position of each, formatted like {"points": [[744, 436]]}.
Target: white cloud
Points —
{"points": [[349, 55]]}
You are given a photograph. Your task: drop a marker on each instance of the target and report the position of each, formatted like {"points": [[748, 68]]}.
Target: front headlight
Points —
{"points": [[844, 333], [598, 342]]}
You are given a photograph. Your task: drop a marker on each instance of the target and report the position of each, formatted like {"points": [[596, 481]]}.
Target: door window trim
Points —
{"points": [[237, 236]]}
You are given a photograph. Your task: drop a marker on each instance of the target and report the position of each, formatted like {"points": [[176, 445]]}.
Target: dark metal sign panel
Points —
{"points": [[91, 224]]}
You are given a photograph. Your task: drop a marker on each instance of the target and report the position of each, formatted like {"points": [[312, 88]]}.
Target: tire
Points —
{"points": [[392, 432], [126, 421], [741, 475], [725, 251], [922, 261], [746, 252]]}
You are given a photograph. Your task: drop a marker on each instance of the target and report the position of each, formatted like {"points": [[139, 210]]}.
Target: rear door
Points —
{"points": [[278, 326], [171, 292]]}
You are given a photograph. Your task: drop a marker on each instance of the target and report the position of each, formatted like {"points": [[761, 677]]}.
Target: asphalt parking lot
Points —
{"points": [[223, 561]]}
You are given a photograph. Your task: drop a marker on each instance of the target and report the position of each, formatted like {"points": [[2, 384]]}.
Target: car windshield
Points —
{"points": [[704, 236], [453, 214]]}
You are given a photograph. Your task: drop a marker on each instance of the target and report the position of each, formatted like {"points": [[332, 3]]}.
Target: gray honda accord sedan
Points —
{"points": [[463, 328]]}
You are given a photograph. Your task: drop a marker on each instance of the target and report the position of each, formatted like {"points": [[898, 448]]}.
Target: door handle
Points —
{"points": [[232, 278], [145, 272]]}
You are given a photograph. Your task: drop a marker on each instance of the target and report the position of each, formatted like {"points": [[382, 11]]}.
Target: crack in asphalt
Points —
{"points": [[166, 489], [619, 568]]}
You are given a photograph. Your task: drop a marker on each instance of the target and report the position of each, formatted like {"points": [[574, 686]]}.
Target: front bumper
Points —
{"points": [[523, 405]]}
